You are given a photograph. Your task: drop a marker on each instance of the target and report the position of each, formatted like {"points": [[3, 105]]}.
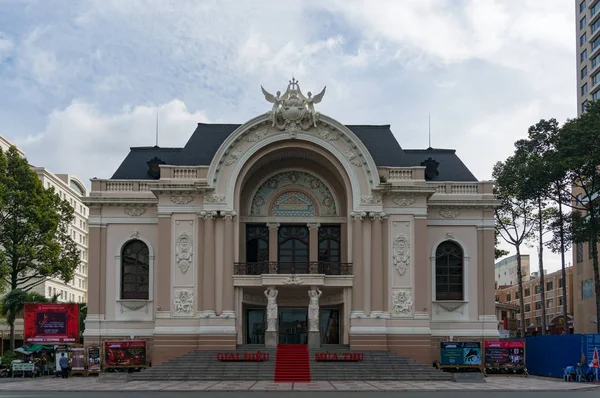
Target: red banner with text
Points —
{"points": [[51, 323]]}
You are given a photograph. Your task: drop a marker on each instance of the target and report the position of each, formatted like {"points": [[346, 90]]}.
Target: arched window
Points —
{"points": [[135, 271], [449, 272]]}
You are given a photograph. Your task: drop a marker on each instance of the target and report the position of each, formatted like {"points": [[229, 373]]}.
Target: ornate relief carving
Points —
{"points": [[184, 302], [293, 111], [293, 280], [403, 201], [401, 256], [234, 156], [214, 198], [135, 234], [183, 256], [353, 156], [448, 213], [134, 305], [358, 216], [402, 303], [181, 200], [450, 235], [328, 133], [300, 178], [134, 211], [257, 135], [450, 306], [373, 199]]}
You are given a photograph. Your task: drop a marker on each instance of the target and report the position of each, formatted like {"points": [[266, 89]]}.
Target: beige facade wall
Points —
{"points": [[389, 233]]}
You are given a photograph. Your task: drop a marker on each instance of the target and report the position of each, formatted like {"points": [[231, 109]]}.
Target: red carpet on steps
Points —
{"points": [[292, 363]]}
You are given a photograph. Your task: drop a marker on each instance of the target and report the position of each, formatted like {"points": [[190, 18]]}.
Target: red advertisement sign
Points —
{"points": [[51, 323], [125, 353], [506, 353]]}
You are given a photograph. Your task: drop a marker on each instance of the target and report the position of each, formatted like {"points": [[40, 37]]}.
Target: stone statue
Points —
{"points": [[271, 295], [275, 100], [313, 309], [310, 102]]}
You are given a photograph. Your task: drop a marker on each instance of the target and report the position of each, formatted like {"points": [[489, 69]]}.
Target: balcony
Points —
{"points": [[293, 268]]}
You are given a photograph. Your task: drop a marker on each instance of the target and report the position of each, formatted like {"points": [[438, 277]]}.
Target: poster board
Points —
{"points": [[460, 354], [77, 360], [51, 323], [504, 356], [93, 359], [125, 354], [58, 351]]}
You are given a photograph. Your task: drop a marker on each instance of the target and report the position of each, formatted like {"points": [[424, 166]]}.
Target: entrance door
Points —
{"points": [[255, 327], [293, 326], [293, 249]]}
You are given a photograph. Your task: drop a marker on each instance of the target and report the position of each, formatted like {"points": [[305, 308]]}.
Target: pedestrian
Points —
{"points": [[64, 365]]}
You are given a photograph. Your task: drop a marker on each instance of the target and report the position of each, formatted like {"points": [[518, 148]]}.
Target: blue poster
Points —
{"points": [[460, 353], [592, 341]]}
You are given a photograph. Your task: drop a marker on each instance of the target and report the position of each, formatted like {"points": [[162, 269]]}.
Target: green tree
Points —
{"points": [[514, 217], [35, 243], [497, 251], [578, 152]]}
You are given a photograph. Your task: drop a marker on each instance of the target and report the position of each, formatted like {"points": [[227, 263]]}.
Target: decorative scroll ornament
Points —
{"points": [[402, 303], [293, 280], [401, 254], [403, 201], [183, 254], [184, 302], [293, 111], [449, 307], [181, 200], [134, 211], [214, 198], [371, 199], [353, 157], [135, 234], [447, 213], [233, 157], [328, 133]]}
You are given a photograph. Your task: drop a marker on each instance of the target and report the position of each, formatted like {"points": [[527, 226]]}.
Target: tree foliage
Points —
{"points": [[35, 243]]}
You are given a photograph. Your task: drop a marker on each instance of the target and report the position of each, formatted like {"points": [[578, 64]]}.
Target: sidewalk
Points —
{"points": [[92, 384]]}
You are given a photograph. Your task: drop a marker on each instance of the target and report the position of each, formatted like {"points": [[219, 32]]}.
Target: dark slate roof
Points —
{"points": [[450, 168], [207, 138]]}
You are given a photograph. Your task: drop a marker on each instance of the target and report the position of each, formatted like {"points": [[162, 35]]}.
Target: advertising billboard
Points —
{"points": [[51, 323], [125, 353], [505, 353], [460, 353]]}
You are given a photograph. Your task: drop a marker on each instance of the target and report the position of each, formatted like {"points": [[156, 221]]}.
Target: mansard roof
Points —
{"points": [[207, 138]]}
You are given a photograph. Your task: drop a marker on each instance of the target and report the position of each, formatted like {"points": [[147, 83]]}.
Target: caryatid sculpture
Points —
{"points": [[313, 309], [272, 313]]}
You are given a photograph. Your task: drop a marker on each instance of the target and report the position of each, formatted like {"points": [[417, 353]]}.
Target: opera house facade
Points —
{"points": [[291, 228]]}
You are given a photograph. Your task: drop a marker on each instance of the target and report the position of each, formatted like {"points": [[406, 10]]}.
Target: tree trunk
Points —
{"points": [[541, 265], [563, 265], [594, 243], [12, 335], [521, 299]]}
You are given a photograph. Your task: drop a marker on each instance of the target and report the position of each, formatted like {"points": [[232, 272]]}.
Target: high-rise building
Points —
{"points": [[73, 190], [588, 89], [506, 271]]}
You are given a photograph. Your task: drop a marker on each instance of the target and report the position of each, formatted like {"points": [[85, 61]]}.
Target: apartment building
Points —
{"points": [[533, 304], [588, 89]]}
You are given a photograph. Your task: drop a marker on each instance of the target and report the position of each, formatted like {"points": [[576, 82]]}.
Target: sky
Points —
{"points": [[81, 81]]}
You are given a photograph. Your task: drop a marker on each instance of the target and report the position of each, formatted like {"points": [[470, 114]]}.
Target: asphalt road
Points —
{"points": [[301, 394]]}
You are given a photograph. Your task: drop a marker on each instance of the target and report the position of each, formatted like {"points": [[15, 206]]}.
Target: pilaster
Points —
{"points": [[376, 265], [163, 266], [208, 300], [357, 266], [273, 241], [366, 275], [200, 239], [313, 241], [227, 291]]}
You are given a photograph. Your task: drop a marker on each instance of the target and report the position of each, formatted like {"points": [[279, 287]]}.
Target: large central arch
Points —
{"points": [[258, 134]]}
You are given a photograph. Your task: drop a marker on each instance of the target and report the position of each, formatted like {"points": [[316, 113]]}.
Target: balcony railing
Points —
{"points": [[304, 268]]}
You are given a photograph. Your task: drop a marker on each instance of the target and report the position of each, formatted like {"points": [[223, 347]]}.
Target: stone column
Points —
{"points": [[228, 296], [219, 242], [163, 266], [385, 280], [366, 279], [357, 266], [376, 265], [200, 260], [208, 299], [313, 247], [273, 246]]}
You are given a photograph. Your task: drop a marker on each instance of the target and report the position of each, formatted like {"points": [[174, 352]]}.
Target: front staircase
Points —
{"points": [[292, 363]]}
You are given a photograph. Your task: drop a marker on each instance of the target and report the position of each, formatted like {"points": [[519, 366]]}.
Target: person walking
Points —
{"points": [[64, 365]]}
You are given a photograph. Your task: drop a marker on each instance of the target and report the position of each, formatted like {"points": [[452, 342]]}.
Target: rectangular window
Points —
{"points": [[582, 23], [583, 39], [560, 282], [584, 72], [594, 9], [584, 89], [596, 96], [587, 289], [549, 303], [538, 305], [595, 60], [538, 321], [527, 292], [595, 26], [560, 301], [595, 79], [508, 297], [595, 43], [538, 289], [583, 56], [582, 6], [579, 248], [549, 286], [517, 296], [527, 307]]}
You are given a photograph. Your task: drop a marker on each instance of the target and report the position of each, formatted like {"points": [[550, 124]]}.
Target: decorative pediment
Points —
{"points": [[293, 204]]}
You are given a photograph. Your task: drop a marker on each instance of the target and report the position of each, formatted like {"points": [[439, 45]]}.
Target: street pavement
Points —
{"points": [[64, 388]]}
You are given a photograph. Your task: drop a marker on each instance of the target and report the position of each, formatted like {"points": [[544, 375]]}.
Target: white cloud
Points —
{"points": [[6, 47], [84, 141]]}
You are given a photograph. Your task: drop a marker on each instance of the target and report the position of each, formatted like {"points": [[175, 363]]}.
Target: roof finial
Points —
{"points": [[156, 145]]}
